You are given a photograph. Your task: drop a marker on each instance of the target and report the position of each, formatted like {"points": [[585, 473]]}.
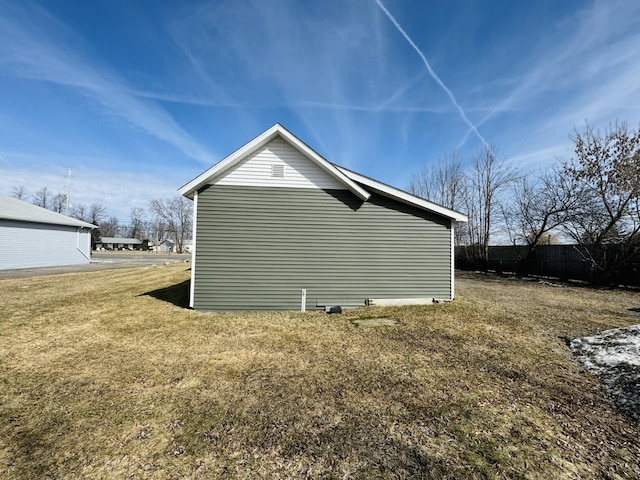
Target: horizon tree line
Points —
{"points": [[592, 199]]}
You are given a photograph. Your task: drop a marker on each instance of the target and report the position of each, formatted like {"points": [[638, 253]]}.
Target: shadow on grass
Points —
{"points": [[177, 294]]}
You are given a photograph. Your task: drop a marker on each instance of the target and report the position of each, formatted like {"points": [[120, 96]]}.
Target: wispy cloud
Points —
{"points": [[433, 74], [325, 64], [118, 190], [31, 46], [374, 108], [583, 69], [536, 158], [220, 72]]}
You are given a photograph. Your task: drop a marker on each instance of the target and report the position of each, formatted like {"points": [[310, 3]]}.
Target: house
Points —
{"points": [[116, 243], [32, 236], [164, 246], [278, 227]]}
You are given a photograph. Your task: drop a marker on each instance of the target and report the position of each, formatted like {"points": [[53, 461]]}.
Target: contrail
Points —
{"points": [[433, 74]]}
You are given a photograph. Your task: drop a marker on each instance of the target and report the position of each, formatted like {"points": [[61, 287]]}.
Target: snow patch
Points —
{"points": [[614, 356]]}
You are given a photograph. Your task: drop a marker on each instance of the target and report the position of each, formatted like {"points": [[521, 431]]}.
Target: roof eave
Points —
{"points": [[215, 171], [79, 224], [404, 197], [324, 164]]}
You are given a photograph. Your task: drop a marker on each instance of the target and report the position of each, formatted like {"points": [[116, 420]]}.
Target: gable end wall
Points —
{"points": [[299, 171]]}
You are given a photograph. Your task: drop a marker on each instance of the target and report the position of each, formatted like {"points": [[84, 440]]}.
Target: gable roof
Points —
{"points": [[219, 169], [358, 184], [14, 209]]}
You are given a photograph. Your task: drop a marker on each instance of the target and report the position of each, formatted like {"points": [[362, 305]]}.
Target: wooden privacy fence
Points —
{"points": [[564, 262]]}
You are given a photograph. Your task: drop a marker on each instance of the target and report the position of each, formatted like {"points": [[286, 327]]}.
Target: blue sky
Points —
{"points": [[140, 97]]}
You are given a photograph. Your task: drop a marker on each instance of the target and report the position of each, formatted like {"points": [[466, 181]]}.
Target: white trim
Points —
{"points": [[396, 302], [404, 196], [277, 130], [78, 236], [192, 285], [453, 260]]}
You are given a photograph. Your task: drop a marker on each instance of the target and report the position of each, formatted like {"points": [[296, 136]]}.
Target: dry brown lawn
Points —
{"points": [[106, 375]]}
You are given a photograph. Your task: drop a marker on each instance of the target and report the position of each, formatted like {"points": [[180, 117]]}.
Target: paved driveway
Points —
{"points": [[102, 261]]}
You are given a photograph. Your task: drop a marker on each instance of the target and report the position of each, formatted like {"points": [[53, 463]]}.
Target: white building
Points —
{"points": [[118, 243], [32, 236]]}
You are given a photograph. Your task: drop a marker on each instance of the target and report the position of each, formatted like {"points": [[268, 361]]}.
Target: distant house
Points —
{"points": [[32, 236], [164, 246], [115, 243], [278, 227]]}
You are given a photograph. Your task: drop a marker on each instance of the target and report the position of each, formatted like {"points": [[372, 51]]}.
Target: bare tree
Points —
{"points": [[177, 214], [97, 212], [42, 198], [606, 172], [487, 179], [80, 211], [137, 222], [444, 184], [109, 228], [537, 207], [441, 183], [59, 202], [158, 230], [20, 193]]}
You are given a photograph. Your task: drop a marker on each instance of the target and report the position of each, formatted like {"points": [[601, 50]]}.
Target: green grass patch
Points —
{"points": [[106, 374]]}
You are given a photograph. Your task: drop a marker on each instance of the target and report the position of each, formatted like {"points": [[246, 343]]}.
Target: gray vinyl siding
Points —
{"points": [[31, 245], [257, 247]]}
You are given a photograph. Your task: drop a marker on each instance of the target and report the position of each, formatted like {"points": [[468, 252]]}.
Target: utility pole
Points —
{"points": [[68, 191]]}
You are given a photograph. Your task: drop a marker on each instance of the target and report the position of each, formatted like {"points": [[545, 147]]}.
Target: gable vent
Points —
{"points": [[277, 171]]}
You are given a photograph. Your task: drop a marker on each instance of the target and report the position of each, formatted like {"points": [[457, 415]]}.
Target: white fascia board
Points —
{"points": [[261, 140], [398, 302], [228, 162], [324, 164], [404, 196]]}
